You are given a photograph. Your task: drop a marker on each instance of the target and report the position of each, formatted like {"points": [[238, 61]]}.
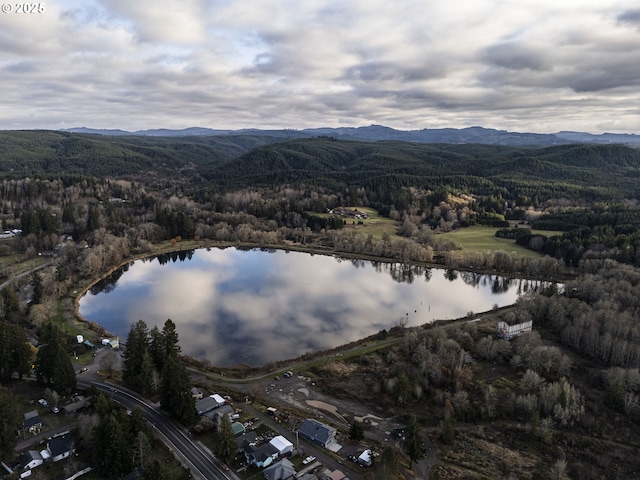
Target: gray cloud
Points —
{"points": [[630, 17], [291, 64]]}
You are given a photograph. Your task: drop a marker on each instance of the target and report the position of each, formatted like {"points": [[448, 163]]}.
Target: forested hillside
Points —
{"points": [[25, 153], [594, 172], [602, 172]]}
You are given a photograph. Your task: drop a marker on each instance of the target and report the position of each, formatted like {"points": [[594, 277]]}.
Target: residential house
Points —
{"points": [[317, 432], [209, 403], [284, 446], [245, 440], [60, 447], [217, 414], [32, 423], [336, 475], [31, 459], [261, 456], [282, 470], [508, 332]]}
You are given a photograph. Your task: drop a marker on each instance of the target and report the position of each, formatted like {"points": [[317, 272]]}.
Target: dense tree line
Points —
{"points": [[53, 366], [119, 442], [152, 365], [16, 354], [596, 315]]}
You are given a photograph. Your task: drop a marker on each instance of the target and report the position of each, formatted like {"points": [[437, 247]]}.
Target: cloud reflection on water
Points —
{"points": [[236, 306]]}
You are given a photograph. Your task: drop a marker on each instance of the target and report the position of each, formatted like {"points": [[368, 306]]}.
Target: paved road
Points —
{"points": [[201, 462]]}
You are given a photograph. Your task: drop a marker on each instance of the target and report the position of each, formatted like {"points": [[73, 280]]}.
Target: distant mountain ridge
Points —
{"points": [[476, 135]]}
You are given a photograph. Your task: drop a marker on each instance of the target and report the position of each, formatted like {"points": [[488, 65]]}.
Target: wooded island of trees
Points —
{"points": [[564, 398]]}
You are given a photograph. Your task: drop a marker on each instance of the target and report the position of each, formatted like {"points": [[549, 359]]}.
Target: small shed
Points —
{"points": [[237, 428]]}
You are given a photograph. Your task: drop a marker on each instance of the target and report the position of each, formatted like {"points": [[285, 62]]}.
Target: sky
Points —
{"points": [[518, 65]]}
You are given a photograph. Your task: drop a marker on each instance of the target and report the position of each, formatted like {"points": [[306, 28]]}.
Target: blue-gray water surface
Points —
{"points": [[254, 306]]}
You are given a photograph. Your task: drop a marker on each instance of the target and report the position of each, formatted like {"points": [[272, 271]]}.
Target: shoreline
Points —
{"points": [[188, 245]]}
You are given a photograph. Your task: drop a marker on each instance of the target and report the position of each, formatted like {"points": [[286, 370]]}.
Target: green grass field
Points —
{"points": [[482, 239], [375, 224]]}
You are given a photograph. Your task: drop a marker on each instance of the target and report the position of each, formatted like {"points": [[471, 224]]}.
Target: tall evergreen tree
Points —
{"points": [[93, 218], [137, 346], [413, 442], [112, 452], [176, 396], [145, 378], [170, 337], [15, 354], [157, 347], [9, 418], [356, 432], [36, 280], [10, 302], [225, 445], [387, 467], [53, 365]]}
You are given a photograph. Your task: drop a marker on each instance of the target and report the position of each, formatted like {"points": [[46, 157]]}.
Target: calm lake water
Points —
{"points": [[254, 306]]}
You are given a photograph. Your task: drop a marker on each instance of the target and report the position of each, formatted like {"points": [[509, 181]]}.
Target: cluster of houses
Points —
{"points": [[58, 448], [11, 233], [345, 212], [271, 454]]}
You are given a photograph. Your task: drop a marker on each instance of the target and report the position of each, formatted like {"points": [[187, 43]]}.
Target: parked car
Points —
{"points": [[43, 402], [308, 460], [55, 410]]}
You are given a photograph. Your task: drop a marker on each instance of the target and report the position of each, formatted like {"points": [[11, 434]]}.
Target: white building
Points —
{"points": [[510, 331], [284, 446]]}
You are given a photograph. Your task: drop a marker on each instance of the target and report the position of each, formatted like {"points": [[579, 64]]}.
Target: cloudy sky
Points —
{"points": [[519, 65]]}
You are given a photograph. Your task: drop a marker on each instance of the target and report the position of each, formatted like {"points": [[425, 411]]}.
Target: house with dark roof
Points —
{"points": [[209, 403], [261, 456], [247, 439], [31, 459], [317, 432], [60, 447], [32, 423], [282, 470]]}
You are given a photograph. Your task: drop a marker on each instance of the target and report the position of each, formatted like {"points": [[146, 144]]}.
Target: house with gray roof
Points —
{"points": [[282, 470], [209, 403], [317, 432]]}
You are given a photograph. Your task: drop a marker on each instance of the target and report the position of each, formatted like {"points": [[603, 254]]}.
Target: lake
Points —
{"points": [[254, 306]]}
